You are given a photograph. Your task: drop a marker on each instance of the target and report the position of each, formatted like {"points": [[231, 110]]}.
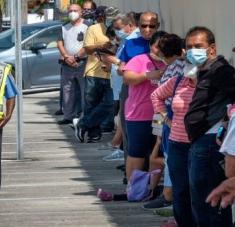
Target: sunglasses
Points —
{"points": [[152, 26]]}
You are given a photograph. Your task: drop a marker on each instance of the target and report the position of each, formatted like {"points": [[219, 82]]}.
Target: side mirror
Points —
{"points": [[38, 46]]}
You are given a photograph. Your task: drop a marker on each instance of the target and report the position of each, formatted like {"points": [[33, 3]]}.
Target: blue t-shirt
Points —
{"points": [[134, 47], [10, 89]]}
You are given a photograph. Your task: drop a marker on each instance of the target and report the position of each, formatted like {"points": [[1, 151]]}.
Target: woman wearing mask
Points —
{"points": [[181, 90], [140, 74]]}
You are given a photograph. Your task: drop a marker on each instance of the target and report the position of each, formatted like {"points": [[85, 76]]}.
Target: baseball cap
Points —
{"points": [[111, 12]]}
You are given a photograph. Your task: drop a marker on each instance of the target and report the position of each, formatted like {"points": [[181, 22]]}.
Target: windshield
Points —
{"points": [[7, 38]]}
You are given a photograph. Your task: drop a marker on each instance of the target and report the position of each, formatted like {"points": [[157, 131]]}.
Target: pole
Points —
{"points": [[12, 17], [18, 70]]}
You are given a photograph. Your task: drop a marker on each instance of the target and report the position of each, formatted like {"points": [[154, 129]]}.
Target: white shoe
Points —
{"points": [[116, 155], [75, 126]]}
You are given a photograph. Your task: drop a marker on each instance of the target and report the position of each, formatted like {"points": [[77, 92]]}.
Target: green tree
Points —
{"points": [[2, 9]]}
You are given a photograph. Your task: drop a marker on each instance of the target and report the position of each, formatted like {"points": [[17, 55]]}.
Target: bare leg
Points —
{"points": [[132, 164]]}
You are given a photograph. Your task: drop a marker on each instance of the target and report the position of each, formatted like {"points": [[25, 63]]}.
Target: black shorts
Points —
{"points": [[140, 138]]}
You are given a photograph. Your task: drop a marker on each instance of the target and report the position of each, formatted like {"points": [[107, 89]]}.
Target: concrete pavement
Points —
{"points": [[56, 183]]}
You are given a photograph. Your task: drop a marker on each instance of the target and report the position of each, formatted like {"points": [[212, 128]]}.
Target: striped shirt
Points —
{"points": [[180, 104], [175, 69]]}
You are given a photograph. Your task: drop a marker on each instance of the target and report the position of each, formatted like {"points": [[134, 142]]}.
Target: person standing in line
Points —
{"points": [[88, 12], [98, 92], [214, 91], [71, 49], [9, 91]]}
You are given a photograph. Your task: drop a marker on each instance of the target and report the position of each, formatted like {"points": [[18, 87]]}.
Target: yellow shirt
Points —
{"points": [[95, 35]]}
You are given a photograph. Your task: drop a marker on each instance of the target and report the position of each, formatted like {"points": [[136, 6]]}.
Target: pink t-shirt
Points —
{"points": [[138, 106]]}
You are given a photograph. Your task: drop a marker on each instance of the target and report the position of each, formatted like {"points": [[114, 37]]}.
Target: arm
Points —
{"points": [[90, 45], [132, 78], [10, 105], [229, 165], [162, 93], [70, 60]]}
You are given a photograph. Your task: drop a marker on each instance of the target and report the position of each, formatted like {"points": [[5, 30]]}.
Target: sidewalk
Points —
{"points": [[56, 183]]}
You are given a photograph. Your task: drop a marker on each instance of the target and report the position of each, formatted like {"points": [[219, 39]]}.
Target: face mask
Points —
{"points": [[73, 16], [197, 56], [89, 21], [121, 34], [88, 14], [190, 71]]}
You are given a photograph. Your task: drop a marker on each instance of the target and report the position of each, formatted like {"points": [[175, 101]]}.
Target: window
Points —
{"points": [[49, 37]]}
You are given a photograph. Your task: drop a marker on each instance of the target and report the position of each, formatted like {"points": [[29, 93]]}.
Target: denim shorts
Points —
{"points": [[140, 138]]}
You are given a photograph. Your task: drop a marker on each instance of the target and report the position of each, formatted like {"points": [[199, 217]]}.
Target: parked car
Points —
{"points": [[39, 53]]}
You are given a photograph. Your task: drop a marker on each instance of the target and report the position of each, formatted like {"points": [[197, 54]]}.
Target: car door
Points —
{"points": [[42, 65]]}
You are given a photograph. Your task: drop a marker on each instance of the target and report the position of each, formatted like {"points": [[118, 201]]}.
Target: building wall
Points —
{"points": [[180, 15]]}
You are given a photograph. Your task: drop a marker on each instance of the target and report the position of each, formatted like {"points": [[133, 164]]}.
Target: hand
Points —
{"points": [[70, 60], [168, 121], [108, 58], [153, 75], [120, 69], [223, 194]]}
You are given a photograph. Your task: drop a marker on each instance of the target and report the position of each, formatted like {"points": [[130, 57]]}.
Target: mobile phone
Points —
{"points": [[221, 133]]}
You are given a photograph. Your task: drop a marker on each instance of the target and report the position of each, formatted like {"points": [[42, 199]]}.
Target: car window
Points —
{"points": [[49, 37], [7, 38]]}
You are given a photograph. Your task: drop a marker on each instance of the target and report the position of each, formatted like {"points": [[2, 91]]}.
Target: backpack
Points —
{"points": [[138, 188]]}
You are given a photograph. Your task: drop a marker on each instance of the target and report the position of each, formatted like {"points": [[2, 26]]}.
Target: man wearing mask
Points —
{"points": [[98, 92], [71, 49], [214, 91], [88, 12]]}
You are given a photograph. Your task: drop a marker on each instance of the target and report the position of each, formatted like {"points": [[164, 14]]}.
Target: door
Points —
{"points": [[42, 65]]}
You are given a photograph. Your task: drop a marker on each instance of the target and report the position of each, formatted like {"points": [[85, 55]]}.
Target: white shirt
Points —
{"points": [[73, 37]]}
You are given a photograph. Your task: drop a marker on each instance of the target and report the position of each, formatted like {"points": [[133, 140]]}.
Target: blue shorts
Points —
{"points": [[140, 138]]}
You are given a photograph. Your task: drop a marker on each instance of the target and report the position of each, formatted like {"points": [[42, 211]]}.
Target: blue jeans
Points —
{"points": [[206, 172], [178, 161], [98, 103]]}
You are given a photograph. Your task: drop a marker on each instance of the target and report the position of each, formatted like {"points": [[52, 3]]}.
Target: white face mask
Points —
{"points": [[73, 16], [190, 71]]}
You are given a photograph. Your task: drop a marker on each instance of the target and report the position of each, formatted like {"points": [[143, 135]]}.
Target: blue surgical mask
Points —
{"points": [[121, 34], [197, 56]]}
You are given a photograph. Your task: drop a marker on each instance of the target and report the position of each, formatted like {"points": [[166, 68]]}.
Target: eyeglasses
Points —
{"points": [[152, 26]]}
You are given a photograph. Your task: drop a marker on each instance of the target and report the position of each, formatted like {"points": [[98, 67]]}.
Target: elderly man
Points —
{"points": [[71, 49], [214, 91]]}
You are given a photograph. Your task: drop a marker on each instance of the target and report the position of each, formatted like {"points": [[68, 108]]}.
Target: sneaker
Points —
{"points": [[160, 202], [94, 139], [58, 112], [116, 155], [80, 133], [64, 122], [75, 124], [104, 196]]}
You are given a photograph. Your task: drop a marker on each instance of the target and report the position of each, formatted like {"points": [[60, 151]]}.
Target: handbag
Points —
{"points": [[138, 188]]}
